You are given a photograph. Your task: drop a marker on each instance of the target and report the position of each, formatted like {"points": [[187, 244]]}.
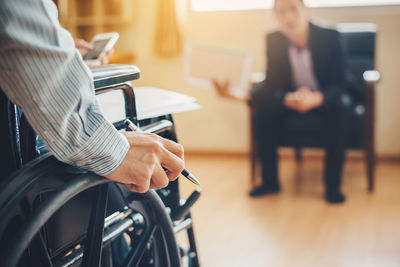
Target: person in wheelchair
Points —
{"points": [[305, 77], [42, 72]]}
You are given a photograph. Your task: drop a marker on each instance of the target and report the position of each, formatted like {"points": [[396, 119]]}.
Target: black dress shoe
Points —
{"points": [[264, 190], [335, 197]]}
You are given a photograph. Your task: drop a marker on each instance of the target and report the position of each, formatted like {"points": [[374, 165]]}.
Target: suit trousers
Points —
{"points": [[268, 130]]}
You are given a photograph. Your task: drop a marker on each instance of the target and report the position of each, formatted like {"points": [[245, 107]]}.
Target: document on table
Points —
{"points": [[153, 102], [203, 63], [150, 102]]}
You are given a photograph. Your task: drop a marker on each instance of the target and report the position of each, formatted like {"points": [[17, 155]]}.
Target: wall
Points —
{"points": [[222, 125]]}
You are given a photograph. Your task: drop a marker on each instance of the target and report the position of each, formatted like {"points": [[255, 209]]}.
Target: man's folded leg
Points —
{"points": [[336, 132]]}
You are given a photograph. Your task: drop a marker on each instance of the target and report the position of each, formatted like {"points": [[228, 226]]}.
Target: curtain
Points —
{"points": [[168, 39]]}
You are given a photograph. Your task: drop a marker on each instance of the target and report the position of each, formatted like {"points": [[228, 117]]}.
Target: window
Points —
{"points": [[212, 5]]}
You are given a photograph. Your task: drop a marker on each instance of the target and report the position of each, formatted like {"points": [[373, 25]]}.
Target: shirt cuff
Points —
{"points": [[103, 152]]}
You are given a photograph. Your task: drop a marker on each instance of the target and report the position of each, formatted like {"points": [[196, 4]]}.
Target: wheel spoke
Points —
{"points": [[94, 239], [134, 257], [39, 251], [111, 231], [144, 219]]}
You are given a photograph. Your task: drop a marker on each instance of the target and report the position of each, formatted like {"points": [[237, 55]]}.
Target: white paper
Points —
{"points": [[153, 102], [150, 102]]}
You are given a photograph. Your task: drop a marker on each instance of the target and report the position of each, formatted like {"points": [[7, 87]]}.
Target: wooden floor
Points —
{"points": [[296, 227]]}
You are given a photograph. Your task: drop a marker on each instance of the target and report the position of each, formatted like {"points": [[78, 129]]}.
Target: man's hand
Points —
{"points": [[142, 167], [303, 100], [106, 57], [83, 47], [224, 90]]}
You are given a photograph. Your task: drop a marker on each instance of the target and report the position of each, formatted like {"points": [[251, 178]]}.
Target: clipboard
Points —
{"points": [[203, 63]]}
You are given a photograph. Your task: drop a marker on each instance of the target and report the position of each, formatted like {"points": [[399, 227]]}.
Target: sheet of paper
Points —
{"points": [[203, 63], [150, 102], [153, 102]]}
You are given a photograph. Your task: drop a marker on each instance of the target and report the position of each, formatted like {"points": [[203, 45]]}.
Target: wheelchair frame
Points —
{"points": [[149, 221]]}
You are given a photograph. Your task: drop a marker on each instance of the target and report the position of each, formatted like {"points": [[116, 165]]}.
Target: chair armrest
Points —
{"points": [[371, 76], [257, 77], [129, 99], [114, 74], [116, 77]]}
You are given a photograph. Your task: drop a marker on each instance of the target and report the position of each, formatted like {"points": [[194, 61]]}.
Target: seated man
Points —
{"points": [[305, 74]]}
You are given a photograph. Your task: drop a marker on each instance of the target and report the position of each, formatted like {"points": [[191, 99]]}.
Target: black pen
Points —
{"points": [[185, 172]]}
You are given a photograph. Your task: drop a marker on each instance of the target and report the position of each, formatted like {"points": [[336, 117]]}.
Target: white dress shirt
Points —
{"points": [[302, 67]]}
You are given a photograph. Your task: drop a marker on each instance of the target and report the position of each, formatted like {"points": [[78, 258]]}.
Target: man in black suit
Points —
{"points": [[305, 75]]}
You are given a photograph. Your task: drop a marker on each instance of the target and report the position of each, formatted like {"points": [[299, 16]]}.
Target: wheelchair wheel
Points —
{"points": [[56, 215]]}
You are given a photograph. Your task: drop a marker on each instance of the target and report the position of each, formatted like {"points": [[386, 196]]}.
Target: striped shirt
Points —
{"points": [[43, 73]]}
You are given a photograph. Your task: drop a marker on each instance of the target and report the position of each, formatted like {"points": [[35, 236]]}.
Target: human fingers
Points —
{"points": [[218, 88], [304, 107], [286, 102], [152, 185], [223, 88], [226, 84], [173, 164], [289, 97], [138, 188], [104, 60], [137, 167], [159, 178], [297, 97], [215, 82], [106, 57], [289, 100], [110, 52], [142, 164], [304, 89], [171, 155], [292, 104], [82, 44], [173, 147]]}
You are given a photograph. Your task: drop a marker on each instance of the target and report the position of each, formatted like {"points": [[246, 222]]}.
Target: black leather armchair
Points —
{"points": [[359, 49]]}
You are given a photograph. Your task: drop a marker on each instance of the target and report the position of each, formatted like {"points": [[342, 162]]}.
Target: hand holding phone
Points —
{"points": [[82, 46], [101, 44]]}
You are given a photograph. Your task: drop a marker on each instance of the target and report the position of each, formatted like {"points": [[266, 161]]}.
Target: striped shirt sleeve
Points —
{"points": [[43, 73]]}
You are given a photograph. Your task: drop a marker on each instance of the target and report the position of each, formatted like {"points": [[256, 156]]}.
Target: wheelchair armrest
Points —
{"points": [[116, 77], [184, 208], [114, 74], [158, 127]]}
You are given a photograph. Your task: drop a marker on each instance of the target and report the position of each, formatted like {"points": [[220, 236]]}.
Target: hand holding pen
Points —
{"points": [[185, 172], [141, 167]]}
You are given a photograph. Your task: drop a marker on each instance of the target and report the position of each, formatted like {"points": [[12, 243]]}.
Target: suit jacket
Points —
{"points": [[328, 62]]}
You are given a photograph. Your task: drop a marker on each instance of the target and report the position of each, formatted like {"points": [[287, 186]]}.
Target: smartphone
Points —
{"points": [[101, 44]]}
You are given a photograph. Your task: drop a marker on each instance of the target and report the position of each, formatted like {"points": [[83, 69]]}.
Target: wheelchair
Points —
{"points": [[53, 214]]}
